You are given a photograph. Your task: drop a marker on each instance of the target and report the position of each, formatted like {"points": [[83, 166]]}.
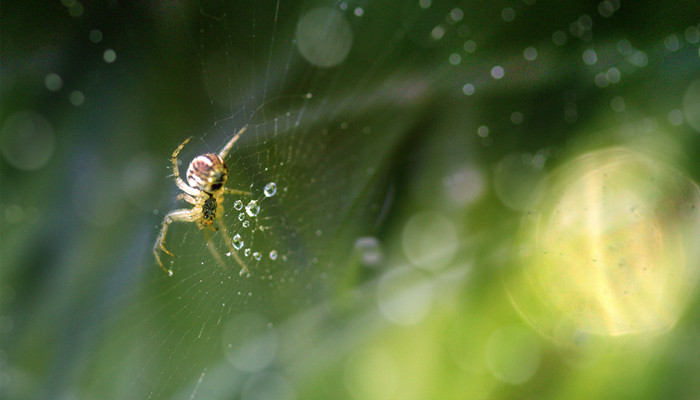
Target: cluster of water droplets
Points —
{"points": [[251, 210]]}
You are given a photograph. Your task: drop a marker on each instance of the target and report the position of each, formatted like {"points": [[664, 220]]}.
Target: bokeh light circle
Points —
{"points": [[513, 354], [248, 343], [430, 240], [691, 105], [28, 140], [372, 373], [268, 385], [610, 248], [404, 296], [324, 37], [515, 181]]}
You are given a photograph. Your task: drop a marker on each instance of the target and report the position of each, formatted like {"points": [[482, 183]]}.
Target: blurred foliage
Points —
{"points": [[405, 173]]}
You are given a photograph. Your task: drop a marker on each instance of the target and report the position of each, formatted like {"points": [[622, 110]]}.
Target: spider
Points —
{"points": [[205, 190]]}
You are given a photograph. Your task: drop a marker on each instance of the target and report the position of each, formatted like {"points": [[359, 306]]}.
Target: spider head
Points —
{"points": [[207, 172]]}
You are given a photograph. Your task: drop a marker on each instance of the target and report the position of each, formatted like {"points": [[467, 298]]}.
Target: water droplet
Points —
{"points": [[456, 14], [255, 347], [468, 89], [530, 53], [404, 296], [329, 48], [470, 46], [430, 240], [618, 104], [109, 56], [559, 38], [515, 181], [639, 59], [672, 43], [613, 75], [270, 190], [606, 9], [53, 82], [246, 224], [508, 14], [437, 33], [513, 343], [273, 255], [95, 36], [601, 80], [675, 117], [692, 34], [76, 97], [369, 251], [76, 10], [497, 72], [238, 205], [252, 208], [516, 117], [238, 242], [585, 21], [590, 57], [247, 252], [691, 105], [257, 256], [27, 140], [241, 216]]}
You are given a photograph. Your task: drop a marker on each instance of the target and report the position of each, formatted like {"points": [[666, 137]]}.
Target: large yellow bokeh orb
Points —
{"points": [[609, 248]]}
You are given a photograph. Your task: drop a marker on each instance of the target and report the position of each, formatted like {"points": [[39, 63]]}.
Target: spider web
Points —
{"points": [[359, 116], [307, 127]]}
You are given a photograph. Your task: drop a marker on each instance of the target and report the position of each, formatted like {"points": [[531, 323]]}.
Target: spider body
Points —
{"points": [[209, 211], [207, 172], [204, 190]]}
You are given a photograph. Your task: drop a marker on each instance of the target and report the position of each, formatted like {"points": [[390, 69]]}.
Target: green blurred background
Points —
{"points": [[475, 200]]}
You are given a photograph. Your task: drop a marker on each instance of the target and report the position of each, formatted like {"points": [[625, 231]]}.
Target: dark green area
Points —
{"points": [[356, 151]]}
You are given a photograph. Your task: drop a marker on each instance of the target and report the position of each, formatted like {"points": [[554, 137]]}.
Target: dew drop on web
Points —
{"points": [[252, 208], [270, 189], [238, 242]]}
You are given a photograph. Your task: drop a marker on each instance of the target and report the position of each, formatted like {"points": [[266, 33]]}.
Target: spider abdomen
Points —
{"points": [[207, 172]]}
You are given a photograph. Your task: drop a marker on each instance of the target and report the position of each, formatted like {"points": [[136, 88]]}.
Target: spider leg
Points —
{"points": [[235, 191], [176, 172], [212, 248], [224, 152], [229, 244], [187, 215], [187, 198]]}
